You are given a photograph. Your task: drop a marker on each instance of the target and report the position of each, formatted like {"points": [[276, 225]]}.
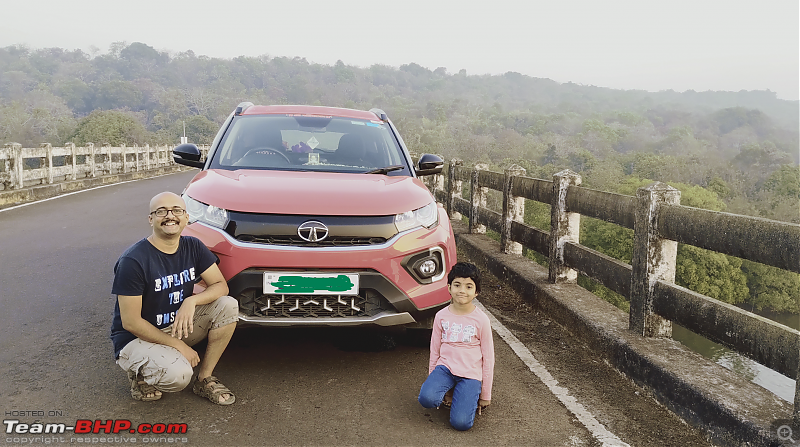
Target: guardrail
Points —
{"points": [[24, 167], [659, 223]]}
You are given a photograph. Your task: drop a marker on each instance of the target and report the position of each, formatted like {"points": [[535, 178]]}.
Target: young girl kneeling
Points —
{"points": [[461, 365]]}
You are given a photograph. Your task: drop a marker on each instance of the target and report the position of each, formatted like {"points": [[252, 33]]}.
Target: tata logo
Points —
{"points": [[312, 231]]}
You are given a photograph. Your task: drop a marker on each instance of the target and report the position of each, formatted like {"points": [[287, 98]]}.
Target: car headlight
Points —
{"points": [[208, 214], [427, 217]]}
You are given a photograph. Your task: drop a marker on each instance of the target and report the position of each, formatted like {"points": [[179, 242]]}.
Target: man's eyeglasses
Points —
{"points": [[162, 212]]}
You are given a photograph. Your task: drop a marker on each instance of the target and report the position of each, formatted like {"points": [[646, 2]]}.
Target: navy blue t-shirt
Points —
{"points": [[163, 280]]}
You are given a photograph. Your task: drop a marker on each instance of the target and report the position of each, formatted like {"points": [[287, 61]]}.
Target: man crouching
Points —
{"points": [[157, 318]]}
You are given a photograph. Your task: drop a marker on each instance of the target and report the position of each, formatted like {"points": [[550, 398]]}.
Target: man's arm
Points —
{"points": [[130, 310], [216, 287]]}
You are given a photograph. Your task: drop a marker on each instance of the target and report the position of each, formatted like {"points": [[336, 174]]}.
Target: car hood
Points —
{"points": [[317, 193]]}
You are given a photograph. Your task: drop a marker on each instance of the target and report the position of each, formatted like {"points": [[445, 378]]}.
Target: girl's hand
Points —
{"points": [[482, 404]]}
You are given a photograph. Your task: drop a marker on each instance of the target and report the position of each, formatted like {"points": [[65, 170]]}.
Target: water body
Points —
{"points": [[757, 373]]}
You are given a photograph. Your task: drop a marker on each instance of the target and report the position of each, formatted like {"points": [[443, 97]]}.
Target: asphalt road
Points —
{"points": [[294, 387]]}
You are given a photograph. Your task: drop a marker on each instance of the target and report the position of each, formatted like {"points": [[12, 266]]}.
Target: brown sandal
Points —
{"points": [[140, 391], [211, 388]]}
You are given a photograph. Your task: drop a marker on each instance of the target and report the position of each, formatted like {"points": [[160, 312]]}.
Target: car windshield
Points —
{"points": [[309, 143]]}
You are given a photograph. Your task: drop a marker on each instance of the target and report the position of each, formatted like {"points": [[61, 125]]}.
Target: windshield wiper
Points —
{"points": [[386, 169]]}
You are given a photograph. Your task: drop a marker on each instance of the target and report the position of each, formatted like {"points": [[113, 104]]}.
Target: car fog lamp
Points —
{"points": [[427, 268]]}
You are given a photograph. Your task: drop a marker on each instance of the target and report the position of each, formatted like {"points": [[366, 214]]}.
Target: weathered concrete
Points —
{"points": [[732, 410], [513, 210], [478, 200], [564, 227], [453, 189], [761, 240], [607, 206], [653, 259], [34, 193], [763, 340]]}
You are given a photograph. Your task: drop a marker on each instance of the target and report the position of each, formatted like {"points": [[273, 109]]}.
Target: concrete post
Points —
{"points": [[16, 152], [106, 159], [74, 157], [49, 148], [136, 154], [453, 189], [90, 159], [513, 210], [438, 183], [478, 199], [147, 156], [653, 259], [123, 155], [564, 227]]}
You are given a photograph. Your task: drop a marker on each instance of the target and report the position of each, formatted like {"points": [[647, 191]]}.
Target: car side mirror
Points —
{"points": [[429, 164], [187, 154]]}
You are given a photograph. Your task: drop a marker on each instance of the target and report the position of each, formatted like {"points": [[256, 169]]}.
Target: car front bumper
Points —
{"points": [[389, 295]]}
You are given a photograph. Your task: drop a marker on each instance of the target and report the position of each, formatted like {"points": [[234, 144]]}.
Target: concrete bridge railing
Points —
{"points": [[25, 167], [659, 223]]}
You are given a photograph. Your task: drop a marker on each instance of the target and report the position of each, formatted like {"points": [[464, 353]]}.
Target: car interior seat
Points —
{"points": [[351, 150], [258, 138]]}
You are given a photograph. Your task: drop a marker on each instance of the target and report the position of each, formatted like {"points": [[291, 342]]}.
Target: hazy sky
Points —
{"points": [[626, 44]]}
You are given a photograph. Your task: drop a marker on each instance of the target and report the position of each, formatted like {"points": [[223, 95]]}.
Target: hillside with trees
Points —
{"points": [[727, 151]]}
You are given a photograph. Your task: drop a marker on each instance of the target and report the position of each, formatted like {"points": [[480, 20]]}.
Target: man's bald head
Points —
{"points": [[167, 200]]}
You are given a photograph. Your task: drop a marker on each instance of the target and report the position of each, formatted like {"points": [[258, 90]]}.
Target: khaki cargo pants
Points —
{"points": [[164, 366]]}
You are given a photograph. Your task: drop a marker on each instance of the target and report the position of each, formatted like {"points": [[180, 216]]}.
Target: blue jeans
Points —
{"points": [[466, 393]]}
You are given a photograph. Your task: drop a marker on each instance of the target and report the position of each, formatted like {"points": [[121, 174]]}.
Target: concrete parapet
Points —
{"points": [[732, 410], [31, 194]]}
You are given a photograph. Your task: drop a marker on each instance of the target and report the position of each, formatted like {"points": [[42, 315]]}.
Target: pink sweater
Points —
{"points": [[463, 343]]}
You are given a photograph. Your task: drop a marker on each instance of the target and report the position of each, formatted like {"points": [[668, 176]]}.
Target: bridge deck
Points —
{"points": [[293, 387]]}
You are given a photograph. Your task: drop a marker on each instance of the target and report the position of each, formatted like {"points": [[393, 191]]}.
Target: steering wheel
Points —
{"points": [[265, 151]]}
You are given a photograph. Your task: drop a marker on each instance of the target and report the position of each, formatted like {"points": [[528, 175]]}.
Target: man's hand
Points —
{"points": [[189, 353], [184, 319], [482, 404]]}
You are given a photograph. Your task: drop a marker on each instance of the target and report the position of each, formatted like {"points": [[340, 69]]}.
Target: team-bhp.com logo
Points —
{"points": [[86, 426]]}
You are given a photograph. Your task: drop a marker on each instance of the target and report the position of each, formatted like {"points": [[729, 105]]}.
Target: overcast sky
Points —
{"points": [[625, 44]]}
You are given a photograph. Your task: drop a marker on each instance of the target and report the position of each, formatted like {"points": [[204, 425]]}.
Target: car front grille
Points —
{"points": [[366, 304], [297, 242], [283, 230]]}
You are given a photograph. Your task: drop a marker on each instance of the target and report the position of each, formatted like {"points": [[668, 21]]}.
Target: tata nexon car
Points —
{"points": [[318, 217]]}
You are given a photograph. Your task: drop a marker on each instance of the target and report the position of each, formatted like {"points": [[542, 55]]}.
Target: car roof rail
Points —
{"points": [[242, 107], [380, 114]]}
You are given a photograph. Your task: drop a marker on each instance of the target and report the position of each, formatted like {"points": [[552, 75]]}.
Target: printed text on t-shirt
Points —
{"points": [[174, 280]]}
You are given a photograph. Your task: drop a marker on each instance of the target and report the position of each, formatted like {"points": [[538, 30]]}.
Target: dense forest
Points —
{"points": [[728, 151]]}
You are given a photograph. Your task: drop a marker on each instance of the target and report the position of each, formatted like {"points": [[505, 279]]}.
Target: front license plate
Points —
{"points": [[310, 283]]}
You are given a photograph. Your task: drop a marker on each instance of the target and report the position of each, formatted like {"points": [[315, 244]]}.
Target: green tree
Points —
{"points": [[772, 288], [118, 94], [712, 274], [114, 127]]}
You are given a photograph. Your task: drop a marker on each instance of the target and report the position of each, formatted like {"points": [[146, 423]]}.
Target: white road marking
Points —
{"points": [[84, 190], [597, 429]]}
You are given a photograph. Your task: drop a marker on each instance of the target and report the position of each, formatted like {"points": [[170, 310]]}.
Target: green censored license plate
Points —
{"points": [[310, 283]]}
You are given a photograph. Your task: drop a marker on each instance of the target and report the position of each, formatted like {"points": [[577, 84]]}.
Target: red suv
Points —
{"points": [[318, 217]]}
